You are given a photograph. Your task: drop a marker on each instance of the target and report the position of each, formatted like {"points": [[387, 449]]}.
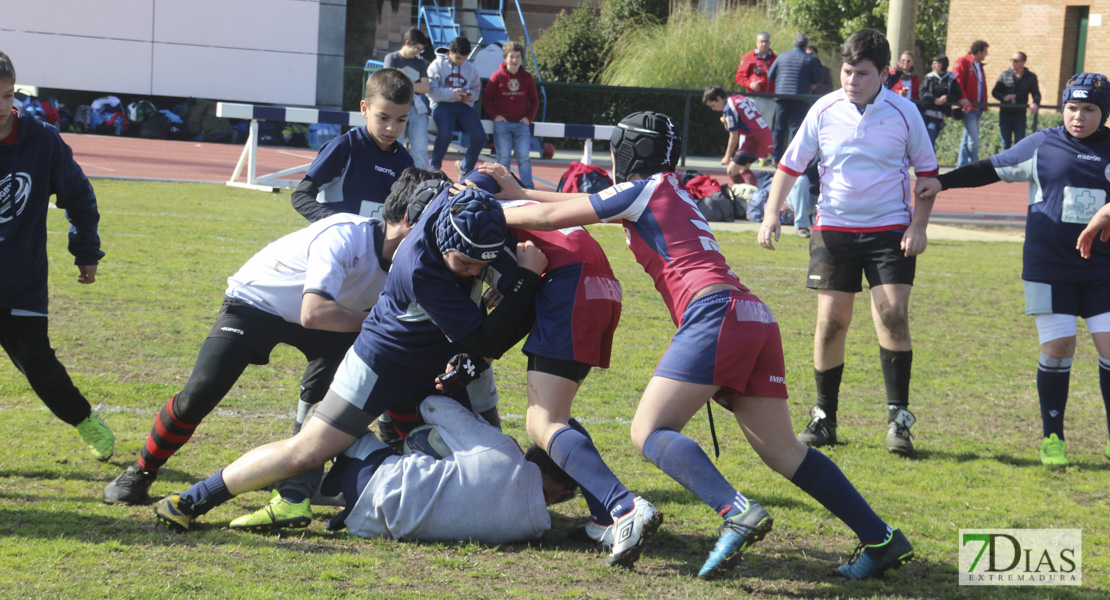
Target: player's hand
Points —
{"points": [[528, 256], [1099, 223], [927, 188], [460, 370], [726, 160], [510, 187], [88, 274], [914, 241], [770, 230], [492, 298]]}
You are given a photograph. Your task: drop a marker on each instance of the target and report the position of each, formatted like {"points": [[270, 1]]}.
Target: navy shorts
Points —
{"points": [[1079, 298]]}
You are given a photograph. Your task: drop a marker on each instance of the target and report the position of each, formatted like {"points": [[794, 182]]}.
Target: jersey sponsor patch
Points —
{"points": [[1081, 204], [611, 191]]}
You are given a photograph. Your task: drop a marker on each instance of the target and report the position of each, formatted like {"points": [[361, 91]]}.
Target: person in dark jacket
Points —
{"points": [[34, 164], [939, 91], [796, 73], [1014, 86]]}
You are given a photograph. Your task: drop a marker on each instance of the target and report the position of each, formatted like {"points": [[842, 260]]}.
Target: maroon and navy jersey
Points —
{"points": [[741, 115], [668, 236]]}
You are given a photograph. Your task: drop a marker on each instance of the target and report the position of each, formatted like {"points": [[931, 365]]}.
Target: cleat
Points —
{"points": [[627, 535], [1054, 451], [898, 438], [169, 510], [131, 487], [873, 560], [821, 431], [592, 531], [97, 435], [278, 514], [737, 535]]}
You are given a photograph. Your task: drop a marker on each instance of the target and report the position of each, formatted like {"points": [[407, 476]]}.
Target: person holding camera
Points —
{"points": [[454, 88]]}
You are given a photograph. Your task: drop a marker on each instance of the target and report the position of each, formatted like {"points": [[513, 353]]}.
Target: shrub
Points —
{"points": [[572, 49]]}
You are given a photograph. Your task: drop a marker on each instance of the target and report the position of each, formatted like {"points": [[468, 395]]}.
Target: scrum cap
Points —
{"points": [[645, 142], [1089, 87], [472, 224], [425, 192]]}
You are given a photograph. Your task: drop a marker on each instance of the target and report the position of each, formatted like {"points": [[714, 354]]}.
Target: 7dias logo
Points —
{"points": [[1021, 557]]}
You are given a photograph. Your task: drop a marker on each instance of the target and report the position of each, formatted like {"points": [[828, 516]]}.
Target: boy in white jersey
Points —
{"points": [[866, 138]]}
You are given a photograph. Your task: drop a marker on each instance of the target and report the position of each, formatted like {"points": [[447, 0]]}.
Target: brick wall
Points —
{"points": [[1045, 30]]}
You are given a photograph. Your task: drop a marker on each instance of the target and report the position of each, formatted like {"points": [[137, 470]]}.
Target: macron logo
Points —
{"points": [[233, 330], [1088, 157], [381, 169]]}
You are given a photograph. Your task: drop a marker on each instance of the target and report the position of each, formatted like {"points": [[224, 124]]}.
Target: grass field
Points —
{"points": [[129, 342]]}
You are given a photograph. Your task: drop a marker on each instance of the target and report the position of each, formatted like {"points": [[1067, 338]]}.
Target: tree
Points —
{"points": [[363, 17]]}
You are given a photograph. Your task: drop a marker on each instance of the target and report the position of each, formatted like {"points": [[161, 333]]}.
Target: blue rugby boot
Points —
{"points": [[872, 560], [737, 534]]}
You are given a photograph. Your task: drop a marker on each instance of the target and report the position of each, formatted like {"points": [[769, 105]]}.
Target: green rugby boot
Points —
{"points": [[278, 514], [1054, 452], [97, 435]]}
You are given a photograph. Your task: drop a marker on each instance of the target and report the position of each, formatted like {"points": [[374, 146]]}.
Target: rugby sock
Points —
{"points": [[577, 455], [1053, 377], [896, 376], [823, 480], [166, 437], [683, 460], [828, 390], [1104, 384], [598, 512], [205, 496]]}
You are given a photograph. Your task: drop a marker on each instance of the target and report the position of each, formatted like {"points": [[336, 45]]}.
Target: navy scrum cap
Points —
{"points": [[1089, 87], [472, 224]]}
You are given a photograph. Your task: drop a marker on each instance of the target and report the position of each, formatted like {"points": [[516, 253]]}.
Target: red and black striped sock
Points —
{"points": [[166, 437]]}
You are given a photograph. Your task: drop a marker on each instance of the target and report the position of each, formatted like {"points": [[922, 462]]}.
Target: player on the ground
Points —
{"points": [[727, 347], [866, 138], [740, 117], [311, 289], [424, 319], [36, 163], [1064, 279]]}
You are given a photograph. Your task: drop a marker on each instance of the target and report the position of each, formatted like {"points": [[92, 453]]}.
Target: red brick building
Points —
{"points": [[1060, 37]]}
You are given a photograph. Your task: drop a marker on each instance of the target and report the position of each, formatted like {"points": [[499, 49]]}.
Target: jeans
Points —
{"points": [[800, 201], [416, 133], [789, 117], [448, 116], [934, 126], [516, 138], [969, 143], [1012, 128]]}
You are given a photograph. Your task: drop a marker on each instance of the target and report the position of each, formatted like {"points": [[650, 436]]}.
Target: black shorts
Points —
{"points": [[839, 259], [260, 331]]}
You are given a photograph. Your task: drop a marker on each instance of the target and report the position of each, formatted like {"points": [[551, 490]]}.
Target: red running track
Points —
{"points": [[116, 157]]}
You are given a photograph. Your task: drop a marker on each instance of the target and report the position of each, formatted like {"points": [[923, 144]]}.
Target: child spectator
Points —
{"points": [[939, 90], [511, 101], [740, 116], [409, 60], [331, 185], [455, 88], [36, 164], [866, 139]]}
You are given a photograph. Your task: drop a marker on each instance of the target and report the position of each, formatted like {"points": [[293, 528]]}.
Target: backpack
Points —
{"points": [[584, 179], [83, 119], [702, 186], [155, 127], [716, 207], [139, 111]]}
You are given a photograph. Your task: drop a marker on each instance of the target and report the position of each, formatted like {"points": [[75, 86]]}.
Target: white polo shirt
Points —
{"points": [[865, 160], [337, 257]]}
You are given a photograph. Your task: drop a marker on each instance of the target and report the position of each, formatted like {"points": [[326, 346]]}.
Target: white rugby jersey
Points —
{"points": [[864, 160], [338, 257]]}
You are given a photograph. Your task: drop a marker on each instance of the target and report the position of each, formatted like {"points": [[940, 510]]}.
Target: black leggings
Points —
{"points": [[26, 341]]}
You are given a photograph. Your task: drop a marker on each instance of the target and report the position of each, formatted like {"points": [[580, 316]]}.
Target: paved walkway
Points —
{"points": [[994, 212]]}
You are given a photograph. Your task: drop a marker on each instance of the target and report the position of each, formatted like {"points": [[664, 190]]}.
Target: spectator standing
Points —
{"points": [[1014, 86], [511, 100], [409, 59], [902, 80], [973, 92], [752, 74], [797, 73], [826, 84], [454, 90], [939, 90]]}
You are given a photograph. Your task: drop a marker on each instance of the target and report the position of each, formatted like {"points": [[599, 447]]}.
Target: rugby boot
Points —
{"points": [[131, 487], [821, 430], [96, 434], [737, 535], [628, 533], [278, 514], [171, 510], [1054, 451], [898, 438], [872, 560]]}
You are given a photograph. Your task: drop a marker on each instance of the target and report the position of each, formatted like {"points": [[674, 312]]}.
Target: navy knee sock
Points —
{"points": [[1053, 377], [577, 455], [206, 495], [683, 460], [1104, 385], [823, 480]]}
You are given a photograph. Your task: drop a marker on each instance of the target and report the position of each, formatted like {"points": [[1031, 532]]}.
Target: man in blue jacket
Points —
{"points": [[794, 73]]}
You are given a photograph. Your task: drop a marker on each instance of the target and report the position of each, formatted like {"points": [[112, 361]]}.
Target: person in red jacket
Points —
{"points": [[511, 101], [902, 80], [969, 72], [752, 75]]}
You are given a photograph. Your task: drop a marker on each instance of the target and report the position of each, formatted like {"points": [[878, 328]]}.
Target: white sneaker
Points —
{"points": [[601, 534], [628, 533]]}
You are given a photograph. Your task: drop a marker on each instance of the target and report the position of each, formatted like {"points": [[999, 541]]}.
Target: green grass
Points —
{"points": [[130, 339]]}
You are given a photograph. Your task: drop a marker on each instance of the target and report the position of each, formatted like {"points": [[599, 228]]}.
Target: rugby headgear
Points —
{"points": [[472, 224], [483, 181], [645, 142], [1089, 87], [426, 191]]}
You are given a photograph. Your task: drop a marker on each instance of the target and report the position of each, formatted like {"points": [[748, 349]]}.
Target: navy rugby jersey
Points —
{"points": [[360, 190], [1068, 182]]}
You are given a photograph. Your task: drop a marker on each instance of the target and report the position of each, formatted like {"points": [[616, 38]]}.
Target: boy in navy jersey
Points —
{"points": [[34, 164], [1067, 169], [354, 172]]}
